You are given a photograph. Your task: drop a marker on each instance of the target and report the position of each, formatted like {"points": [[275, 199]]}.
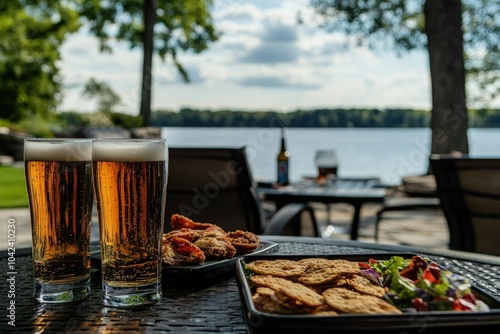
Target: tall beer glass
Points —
{"points": [[327, 163], [59, 184], [130, 182]]}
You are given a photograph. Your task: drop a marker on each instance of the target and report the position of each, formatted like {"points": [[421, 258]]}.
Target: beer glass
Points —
{"points": [[130, 182], [59, 185], [327, 163]]}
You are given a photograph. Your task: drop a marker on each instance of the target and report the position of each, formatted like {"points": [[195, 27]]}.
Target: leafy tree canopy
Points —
{"points": [[400, 24], [180, 25], [107, 99], [32, 32], [359, 118]]}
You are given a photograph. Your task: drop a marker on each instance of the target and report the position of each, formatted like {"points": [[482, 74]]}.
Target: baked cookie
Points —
{"points": [[346, 301], [293, 295], [278, 268], [364, 285]]}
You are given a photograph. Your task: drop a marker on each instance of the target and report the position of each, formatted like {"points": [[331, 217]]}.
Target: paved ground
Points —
{"points": [[424, 228]]}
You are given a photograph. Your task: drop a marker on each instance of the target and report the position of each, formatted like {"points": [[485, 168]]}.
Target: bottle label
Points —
{"points": [[283, 172]]}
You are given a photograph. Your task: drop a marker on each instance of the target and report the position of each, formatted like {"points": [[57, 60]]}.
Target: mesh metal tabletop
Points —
{"points": [[210, 306]]}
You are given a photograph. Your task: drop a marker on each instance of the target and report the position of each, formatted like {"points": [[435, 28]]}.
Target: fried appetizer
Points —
{"points": [[209, 239], [216, 248], [184, 233], [179, 221], [244, 241], [178, 251]]}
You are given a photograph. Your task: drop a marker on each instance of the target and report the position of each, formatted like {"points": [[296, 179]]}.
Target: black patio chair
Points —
{"points": [[215, 185], [404, 204], [469, 190], [417, 193]]}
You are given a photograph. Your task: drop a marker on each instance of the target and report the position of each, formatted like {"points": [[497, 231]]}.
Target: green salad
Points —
{"points": [[419, 284]]}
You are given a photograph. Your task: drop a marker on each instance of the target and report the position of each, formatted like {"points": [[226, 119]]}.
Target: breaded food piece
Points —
{"points": [[177, 251], [214, 242], [215, 248], [178, 221], [346, 301], [244, 241], [184, 233], [364, 285], [213, 231], [295, 296], [278, 268]]}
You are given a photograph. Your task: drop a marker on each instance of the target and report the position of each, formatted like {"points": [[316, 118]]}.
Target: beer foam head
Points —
{"points": [[40, 149], [129, 150]]}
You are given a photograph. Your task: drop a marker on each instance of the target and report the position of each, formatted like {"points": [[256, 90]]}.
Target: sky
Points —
{"points": [[264, 60]]}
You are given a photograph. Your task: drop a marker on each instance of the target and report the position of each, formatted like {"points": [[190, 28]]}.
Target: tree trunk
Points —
{"points": [[147, 65], [443, 25]]}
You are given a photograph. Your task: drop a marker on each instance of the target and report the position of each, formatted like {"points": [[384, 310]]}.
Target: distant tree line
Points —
{"points": [[343, 118]]}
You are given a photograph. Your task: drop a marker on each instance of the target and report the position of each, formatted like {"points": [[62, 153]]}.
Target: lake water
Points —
{"points": [[388, 154]]}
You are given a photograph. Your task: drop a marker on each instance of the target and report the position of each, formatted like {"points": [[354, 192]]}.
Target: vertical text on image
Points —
{"points": [[11, 271]]}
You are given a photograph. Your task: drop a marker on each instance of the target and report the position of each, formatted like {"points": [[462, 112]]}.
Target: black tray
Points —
{"points": [[422, 322], [206, 270]]}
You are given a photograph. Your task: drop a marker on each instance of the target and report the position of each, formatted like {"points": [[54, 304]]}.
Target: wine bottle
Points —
{"points": [[283, 162]]}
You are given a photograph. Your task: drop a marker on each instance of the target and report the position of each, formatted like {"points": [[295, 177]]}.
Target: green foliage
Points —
{"points": [[106, 97], [482, 51], [484, 118], [400, 24], [36, 125], [32, 32], [13, 189], [180, 25], [5, 123], [345, 118], [298, 118], [72, 120], [98, 119], [125, 120]]}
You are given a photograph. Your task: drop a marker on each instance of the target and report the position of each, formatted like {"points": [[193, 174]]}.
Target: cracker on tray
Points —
{"points": [[328, 272], [364, 285], [347, 301], [293, 295], [319, 286], [278, 268]]}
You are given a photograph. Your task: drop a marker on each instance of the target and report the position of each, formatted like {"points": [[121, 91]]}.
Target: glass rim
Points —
{"points": [[130, 140], [58, 140]]}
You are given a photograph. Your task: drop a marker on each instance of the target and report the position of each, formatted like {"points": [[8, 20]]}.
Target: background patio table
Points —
{"points": [[212, 306], [353, 191]]}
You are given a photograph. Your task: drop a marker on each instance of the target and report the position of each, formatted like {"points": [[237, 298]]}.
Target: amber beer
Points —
{"points": [[327, 163], [59, 185], [130, 179]]}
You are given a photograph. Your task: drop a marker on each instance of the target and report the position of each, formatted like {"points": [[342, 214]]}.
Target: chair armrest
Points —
{"points": [[288, 221]]}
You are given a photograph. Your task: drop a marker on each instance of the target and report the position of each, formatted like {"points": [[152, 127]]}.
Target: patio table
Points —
{"points": [[353, 191], [206, 306]]}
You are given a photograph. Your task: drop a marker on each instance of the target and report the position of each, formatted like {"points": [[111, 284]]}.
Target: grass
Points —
{"points": [[12, 188]]}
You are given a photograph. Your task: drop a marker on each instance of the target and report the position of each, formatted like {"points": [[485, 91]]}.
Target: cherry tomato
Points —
{"points": [[420, 305], [364, 265]]}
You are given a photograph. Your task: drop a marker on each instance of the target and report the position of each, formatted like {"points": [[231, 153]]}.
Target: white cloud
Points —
{"points": [[263, 60]]}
